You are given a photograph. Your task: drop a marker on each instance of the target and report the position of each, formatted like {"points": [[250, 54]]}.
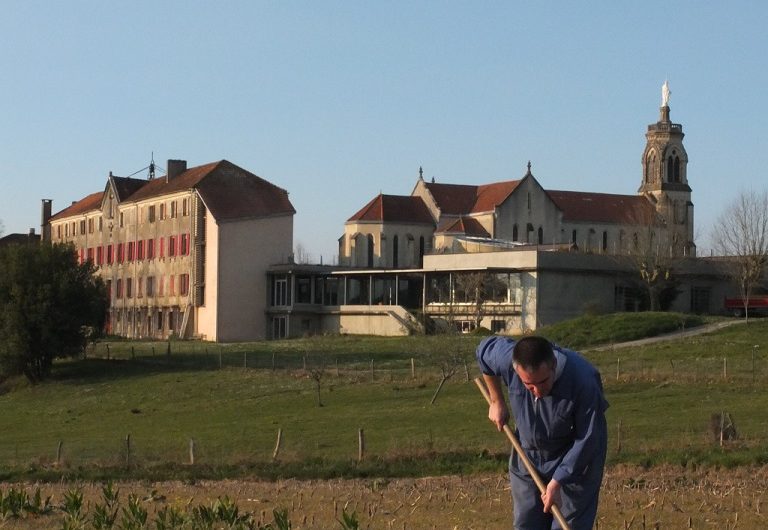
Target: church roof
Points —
{"points": [[228, 191], [457, 199], [394, 209], [463, 225], [603, 207]]}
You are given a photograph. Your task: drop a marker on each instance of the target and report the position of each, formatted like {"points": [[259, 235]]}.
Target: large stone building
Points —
{"points": [[395, 231], [542, 255], [184, 254]]}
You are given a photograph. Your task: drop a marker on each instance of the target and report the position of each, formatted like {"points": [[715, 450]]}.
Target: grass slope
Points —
{"points": [[231, 400]]}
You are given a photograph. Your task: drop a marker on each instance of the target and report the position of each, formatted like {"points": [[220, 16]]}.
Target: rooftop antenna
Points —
{"points": [[152, 167]]}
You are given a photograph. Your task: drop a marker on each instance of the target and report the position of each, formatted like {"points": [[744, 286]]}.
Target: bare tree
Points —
{"points": [[300, 254], [741, 232]]}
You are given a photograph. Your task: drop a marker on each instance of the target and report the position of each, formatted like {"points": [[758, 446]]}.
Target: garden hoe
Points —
{"points": [[524, 458]]}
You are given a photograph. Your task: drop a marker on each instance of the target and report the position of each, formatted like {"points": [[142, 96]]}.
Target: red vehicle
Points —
{"points": [[756, 304]]}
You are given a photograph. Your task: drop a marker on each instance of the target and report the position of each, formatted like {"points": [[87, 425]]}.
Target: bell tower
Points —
{"points": [[665, 179]]}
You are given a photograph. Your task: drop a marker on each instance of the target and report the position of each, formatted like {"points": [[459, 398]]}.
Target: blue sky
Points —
{"points": [[338, 101]]}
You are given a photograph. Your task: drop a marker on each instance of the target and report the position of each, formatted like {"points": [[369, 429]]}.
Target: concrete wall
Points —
{"points": [[246, 250]]}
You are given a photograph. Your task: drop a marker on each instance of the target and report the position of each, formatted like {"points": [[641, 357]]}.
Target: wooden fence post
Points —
{"points": [[278, 443], [373, 376], [618, 367], [128, 450], [413, 369], [191, 452], [360, 445], [725, 367]]}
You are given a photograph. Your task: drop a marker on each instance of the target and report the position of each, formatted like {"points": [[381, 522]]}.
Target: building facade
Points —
{"points": [[395, 231], [184, 254]]}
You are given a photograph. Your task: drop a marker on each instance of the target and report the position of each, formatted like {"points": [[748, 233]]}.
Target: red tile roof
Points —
{"points": [[603, 207], [394, 209], [457, 199], [90, 203], [463, 225], [228, 191]]}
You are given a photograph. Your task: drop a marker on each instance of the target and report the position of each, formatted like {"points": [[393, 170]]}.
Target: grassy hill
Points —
{"points": [[135, 412]]}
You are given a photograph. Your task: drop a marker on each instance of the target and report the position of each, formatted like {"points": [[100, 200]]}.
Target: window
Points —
{"points": [[184, 245], [100, 255], [173, 209], [371, 250], [162, 211], [150, 286], [183, 284], [184, 207], [498, 326], [131, 248], [89, 254], [120, 252], [101, 222], [605, 241], [280, 290], [140, 287], [160, 320], [58, 231], [110, 254], [150, 249], [700, 300], [129, 287], [303, 290], [82, 227], [122, 219], [151, 214], [395, 255], [109, 289], [119, 293], [172, 246], [140, 249], [162, 247], [90, 226]]}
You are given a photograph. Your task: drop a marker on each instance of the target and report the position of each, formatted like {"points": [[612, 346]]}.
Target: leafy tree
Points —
{"points": [[741, 232], [47, 302]]}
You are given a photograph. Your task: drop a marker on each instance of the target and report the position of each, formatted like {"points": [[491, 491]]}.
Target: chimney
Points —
{"points": [[175, 168], [45, 226]]}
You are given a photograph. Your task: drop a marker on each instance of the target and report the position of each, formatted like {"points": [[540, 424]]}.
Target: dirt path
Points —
{"points": [[673, 498], [668, 336]]}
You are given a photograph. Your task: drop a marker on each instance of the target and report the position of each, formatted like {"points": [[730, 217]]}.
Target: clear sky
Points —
{"points": [[338, 101]]}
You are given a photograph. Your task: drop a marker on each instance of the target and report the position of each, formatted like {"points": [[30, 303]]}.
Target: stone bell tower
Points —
{"points": [[665, 180]]}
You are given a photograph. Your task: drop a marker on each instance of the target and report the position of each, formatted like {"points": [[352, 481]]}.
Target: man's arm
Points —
{"points": [[498, 412]]}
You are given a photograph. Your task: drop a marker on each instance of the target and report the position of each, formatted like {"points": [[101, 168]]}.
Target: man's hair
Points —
{"points": [[533, 351]]}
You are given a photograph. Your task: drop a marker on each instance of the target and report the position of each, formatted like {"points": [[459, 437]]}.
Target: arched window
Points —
{"points": [[394, 252], [650, 168], [541, 236], [670, 169], [514, 232], [370, 250], [677, 169]]}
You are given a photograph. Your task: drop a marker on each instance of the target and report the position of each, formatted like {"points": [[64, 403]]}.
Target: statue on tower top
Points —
{"points": [[665, 93]]}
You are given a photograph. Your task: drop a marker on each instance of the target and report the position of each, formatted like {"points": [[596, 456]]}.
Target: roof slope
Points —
{"points": [[394, 209], [463, 225], [458, 199], [603, 207], [229, 192], [89, 203]]}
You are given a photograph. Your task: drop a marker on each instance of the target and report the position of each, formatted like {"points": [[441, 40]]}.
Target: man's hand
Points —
{"points": [[551, 495], [498, 414]]}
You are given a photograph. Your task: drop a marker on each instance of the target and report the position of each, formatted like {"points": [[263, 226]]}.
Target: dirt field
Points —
{"points": [[631, 498]]}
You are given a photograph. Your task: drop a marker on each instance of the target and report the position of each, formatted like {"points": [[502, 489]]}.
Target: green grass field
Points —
{"points": [[232, 399]]}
